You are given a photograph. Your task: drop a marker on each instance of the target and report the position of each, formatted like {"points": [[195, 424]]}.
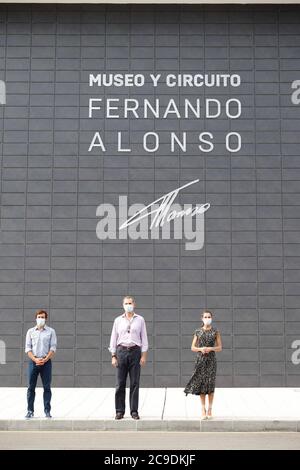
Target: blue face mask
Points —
{"points": [[128, 308], [40, 321]]}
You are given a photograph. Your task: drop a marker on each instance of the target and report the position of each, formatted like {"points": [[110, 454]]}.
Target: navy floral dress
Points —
{"points": [[204, 376]]}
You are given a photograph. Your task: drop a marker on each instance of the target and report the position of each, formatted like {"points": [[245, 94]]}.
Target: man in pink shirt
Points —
{"points": [[128, 347]]}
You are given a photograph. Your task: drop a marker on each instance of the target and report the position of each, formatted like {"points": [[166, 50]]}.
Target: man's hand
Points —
{"points": [[40, 361], [114, 362], [143, 359]]}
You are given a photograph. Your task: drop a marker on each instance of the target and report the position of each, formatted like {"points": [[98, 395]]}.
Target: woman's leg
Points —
{"points": [[202, 398], [210, 404]]}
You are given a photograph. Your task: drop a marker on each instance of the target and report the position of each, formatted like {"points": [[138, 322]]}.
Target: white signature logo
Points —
{"points": [[187, 221], [161, 213]]}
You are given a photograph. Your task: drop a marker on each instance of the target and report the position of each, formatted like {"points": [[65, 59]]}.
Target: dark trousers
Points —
{"points": [[46, 374], [128, 363]]}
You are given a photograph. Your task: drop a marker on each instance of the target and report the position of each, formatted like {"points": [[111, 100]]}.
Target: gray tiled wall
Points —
{"points": [[248, 272]]}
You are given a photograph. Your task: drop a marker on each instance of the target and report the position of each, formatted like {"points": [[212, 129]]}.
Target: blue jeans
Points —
{"points": [[46, 375]]}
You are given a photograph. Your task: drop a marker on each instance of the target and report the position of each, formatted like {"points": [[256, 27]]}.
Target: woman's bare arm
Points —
{"points": [[193, 347], [218, 344]]}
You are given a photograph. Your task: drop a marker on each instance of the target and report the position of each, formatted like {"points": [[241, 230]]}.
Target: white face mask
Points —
{"points": [[40, 321], [207, 321], [128, 308]]}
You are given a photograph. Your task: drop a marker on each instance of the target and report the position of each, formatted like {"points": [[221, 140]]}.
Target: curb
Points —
{"points": [[213, 425]]}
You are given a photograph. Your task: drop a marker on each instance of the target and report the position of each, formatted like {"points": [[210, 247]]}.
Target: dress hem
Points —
{"points": [[199, 393]]}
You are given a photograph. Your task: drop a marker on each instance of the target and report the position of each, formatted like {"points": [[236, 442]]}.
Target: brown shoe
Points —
{"points": [[119, 415], [135, 415]]}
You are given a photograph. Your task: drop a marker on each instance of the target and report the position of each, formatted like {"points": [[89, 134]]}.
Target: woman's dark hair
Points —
{"points": [[207, 311]]}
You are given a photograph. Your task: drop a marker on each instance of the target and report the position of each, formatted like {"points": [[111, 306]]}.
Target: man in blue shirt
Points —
{"points": [[40, 347]]}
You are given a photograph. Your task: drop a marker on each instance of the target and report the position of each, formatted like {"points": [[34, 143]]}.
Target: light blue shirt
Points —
{"points": [[40, 342]]}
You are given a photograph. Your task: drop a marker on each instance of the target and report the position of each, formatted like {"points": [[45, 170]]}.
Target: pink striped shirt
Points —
{"points": [[129, 332]]}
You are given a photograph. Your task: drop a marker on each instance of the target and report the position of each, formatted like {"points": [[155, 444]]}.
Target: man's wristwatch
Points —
{"points": [[113, 355]]}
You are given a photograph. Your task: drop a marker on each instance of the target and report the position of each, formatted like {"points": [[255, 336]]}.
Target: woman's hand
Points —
{"points": [[205, 350]]}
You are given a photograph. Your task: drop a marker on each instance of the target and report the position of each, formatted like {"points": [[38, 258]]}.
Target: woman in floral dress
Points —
{"points": [[206, 342]]}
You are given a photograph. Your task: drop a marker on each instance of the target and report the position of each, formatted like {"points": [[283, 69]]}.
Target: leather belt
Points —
{"points": [[128, 348]]}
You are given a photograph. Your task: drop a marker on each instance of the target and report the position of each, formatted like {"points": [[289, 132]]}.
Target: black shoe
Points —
{"points": [[47, 414], [119, 415], [135, 415], [29, 415]]}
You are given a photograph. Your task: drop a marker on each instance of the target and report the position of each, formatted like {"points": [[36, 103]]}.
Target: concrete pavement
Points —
{"points": [[161, 409]]}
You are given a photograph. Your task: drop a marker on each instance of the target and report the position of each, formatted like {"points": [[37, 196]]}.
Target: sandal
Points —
{"points": [[209, 414], [203, 415]]}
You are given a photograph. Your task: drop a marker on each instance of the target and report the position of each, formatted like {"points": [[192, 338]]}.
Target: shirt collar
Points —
{"points": [[124, 314], [44, 328]]}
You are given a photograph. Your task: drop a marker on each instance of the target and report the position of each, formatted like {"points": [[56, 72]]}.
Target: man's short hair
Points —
{"points": [[39, 312], [129, 297]]}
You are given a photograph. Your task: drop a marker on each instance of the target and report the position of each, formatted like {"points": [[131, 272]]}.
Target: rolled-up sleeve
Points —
{"points": [[144, 337], [53, 341], [28, 342], [113, 339]]}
